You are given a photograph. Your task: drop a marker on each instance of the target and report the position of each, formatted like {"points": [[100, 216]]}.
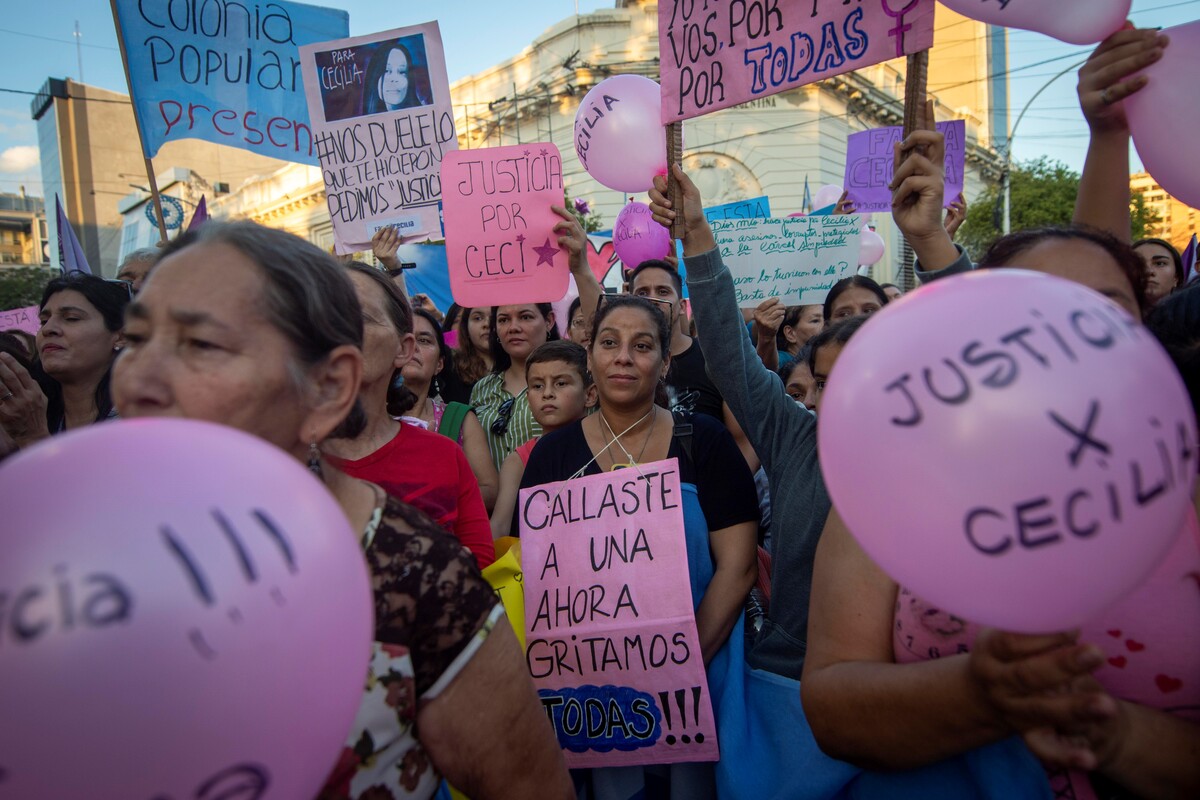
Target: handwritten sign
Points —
{"points": [[753, 208], [224, 72], [612, 643], [21, 319], [720, 53], [870, 163], [501, 246], [797, 259], [382, 122]]}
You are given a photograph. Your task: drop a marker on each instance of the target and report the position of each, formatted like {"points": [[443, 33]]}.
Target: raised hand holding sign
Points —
{"points": [[193, 609], [1011, 447]]}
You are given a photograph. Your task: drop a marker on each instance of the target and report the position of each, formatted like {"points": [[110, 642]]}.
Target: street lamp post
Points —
{"points": [[1006, 183]]}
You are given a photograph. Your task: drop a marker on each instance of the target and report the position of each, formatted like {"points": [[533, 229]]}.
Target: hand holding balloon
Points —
{"points": [[1105, 80]]}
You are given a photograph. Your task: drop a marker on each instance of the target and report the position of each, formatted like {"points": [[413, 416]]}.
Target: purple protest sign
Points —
{"points": [[611, 635], [869, 164], [720, 53]]}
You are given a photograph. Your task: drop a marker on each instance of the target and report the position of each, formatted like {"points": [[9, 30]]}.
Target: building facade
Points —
{"points": [[1177, 221], [23, 234]]}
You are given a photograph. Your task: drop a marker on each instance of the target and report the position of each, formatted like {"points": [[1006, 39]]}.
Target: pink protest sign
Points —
{"points": [[870, 160], [719, 53], [21, 319], [611, 635], [501, 247], [382, 121]]}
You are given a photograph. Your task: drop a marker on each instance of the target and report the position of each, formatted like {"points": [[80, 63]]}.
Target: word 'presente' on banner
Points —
{"points": [[797, 260], [225, 72], [610, 630], [501, 246], [719, 53], [382, 122], [870, 160]]}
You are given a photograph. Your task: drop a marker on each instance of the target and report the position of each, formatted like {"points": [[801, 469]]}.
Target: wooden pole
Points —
{"points": [[918, 115], [153, 182], [674, 157]]}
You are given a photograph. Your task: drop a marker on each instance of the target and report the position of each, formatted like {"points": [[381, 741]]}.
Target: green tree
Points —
{"points": [[1043, 193], [22, 286]]}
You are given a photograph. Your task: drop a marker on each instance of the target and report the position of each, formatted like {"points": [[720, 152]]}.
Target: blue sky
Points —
{"points": [[479, 34]]}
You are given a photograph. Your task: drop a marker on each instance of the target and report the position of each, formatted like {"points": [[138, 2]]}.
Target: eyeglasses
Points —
{"points": [[126, 285], [500, 425]]}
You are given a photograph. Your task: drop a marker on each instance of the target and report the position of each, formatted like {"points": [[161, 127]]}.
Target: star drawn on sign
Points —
{"points": [[526, 153], [545, 253], [520, 238], [543, 152]]}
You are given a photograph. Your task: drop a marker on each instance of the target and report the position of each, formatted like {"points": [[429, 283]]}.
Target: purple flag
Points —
{"points": [[70, 253], [200, 216], [1189, 261]]}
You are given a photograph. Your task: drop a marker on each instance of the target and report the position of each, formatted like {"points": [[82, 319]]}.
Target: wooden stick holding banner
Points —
{"points": [[153, 183], [675, 156], [918, 111]]}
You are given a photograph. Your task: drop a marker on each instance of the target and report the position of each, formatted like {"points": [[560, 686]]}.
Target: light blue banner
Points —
{"points": [[224, 72]]}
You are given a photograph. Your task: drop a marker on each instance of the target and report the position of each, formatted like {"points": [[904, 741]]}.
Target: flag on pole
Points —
{"points": [[806, 203], [1189, 261], [70, 253], [199, 216]]}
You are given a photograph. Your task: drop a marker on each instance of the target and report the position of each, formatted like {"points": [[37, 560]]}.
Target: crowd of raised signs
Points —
{"points": [[826, 677]]}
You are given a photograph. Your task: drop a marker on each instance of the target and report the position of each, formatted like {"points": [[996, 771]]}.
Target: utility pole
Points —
{"points": [[79, 49]]}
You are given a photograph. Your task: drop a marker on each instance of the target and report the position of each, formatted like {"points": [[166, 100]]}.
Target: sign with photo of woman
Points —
{"points": [[382, 121]]}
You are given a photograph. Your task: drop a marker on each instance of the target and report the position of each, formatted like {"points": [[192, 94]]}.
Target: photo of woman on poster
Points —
{"points": [[397, 77]]}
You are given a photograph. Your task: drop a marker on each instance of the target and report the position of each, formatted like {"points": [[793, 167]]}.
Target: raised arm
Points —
{"points": [[755, 394], [572, 236], [1103, 200]]}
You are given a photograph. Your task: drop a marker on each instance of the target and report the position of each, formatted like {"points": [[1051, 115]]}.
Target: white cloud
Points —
{"points": [[18, 159]]}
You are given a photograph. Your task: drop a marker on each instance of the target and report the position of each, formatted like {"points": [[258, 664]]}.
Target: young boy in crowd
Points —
{"points": [[560, 392]]}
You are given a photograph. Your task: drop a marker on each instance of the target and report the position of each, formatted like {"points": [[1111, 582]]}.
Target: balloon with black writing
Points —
{"points": [[184, 612], [1013, 448], [1073, 21], [637, 237], [619, 137]]}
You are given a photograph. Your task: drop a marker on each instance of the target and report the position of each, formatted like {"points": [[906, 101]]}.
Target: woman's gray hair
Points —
{"points": [[307, 295]]}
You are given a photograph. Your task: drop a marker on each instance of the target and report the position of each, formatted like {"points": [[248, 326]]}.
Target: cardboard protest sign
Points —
{"points": [[501, 246], [870, 163], [21, 319], [798, 259], [382, 122], [223, 72], [720, 53], [612, 643]]}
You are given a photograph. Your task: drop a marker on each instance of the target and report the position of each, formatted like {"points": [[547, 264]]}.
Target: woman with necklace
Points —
{"points": [[430, 410], [628, 357]]}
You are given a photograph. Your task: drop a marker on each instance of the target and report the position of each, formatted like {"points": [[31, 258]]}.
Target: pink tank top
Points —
{"points": [[1151, 640]]}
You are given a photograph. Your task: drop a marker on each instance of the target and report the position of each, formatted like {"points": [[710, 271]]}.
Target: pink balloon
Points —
{"points": [[1074, 21], [826, 196], [637, 237], [872, 248], [619, 137], [1012, 447], [562, 320], [184, 603], [1162, 124]]}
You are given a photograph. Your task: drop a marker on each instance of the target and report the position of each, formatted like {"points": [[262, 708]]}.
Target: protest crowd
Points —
{"points": [[466, 446]]}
